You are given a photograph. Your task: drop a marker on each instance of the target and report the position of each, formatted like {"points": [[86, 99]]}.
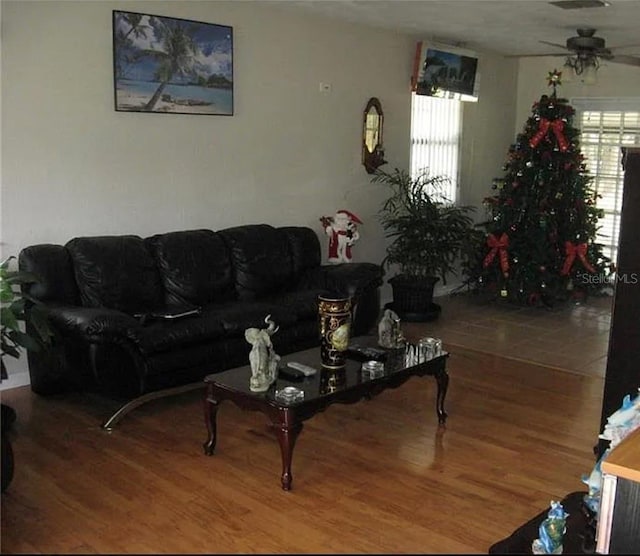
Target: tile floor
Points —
{"points": [[573, 338]]}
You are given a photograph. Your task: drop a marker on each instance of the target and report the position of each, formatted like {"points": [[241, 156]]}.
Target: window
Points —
{"points": [[605, 127], [435, 138]]}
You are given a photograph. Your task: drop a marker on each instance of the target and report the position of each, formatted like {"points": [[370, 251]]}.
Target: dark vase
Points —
{"points": [[332, 380], [334, 324], [413, 297]]}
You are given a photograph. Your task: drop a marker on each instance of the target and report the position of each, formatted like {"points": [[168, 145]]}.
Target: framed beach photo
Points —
{"points": [[442, 72], [171, 66]]}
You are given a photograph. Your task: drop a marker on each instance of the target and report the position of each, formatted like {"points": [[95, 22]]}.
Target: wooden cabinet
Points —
{"points": [[619, 515], [623, 363]]}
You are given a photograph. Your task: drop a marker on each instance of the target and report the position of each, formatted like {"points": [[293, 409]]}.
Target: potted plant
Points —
{"points": [[13, 340], [427, 232]]}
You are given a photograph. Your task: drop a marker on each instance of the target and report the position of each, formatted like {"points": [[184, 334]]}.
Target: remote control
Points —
{"points": [[364, 353], [308, 371], [291, 374]]}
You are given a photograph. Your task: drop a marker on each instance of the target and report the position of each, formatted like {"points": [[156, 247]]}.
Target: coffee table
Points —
{"points": [[321, 390]]}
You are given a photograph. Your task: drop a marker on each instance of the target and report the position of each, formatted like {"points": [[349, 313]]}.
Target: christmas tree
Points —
{"points": [[539, 245]]}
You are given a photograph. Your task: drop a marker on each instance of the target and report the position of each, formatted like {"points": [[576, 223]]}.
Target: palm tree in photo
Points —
{"points": [[176, 57], [123, 42]]}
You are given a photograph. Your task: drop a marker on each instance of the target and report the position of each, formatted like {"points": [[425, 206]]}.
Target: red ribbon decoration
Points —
{"points": [[573, 250], [542, 131], [498, 246], [557, 127]]}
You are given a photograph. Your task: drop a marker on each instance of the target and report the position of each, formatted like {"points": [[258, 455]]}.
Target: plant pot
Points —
{"points": [[414, 296]]}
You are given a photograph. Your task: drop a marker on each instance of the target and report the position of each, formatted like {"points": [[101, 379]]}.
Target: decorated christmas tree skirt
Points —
{"points": [[578, 538]]}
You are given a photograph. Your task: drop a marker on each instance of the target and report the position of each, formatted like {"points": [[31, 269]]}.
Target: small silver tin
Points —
{"points": [[373, 368]]}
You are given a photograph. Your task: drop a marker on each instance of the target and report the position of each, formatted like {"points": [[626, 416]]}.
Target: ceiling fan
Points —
{"points": [[585, 51]]}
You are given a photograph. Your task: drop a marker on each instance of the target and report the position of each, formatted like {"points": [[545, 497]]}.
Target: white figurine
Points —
{"points": [[264, 361], [343, 233], [389, 332]]}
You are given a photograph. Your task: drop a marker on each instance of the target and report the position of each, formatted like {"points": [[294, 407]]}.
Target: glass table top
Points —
{"points": [[325, 382]]}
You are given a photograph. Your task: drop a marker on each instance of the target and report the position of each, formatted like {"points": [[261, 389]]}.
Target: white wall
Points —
{"points": [[72, 166]]}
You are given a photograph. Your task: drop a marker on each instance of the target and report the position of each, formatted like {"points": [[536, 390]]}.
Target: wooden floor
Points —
{"points": [[573, 336], [379, 476]]}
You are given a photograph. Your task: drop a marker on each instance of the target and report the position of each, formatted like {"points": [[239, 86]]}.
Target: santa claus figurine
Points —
{"points": [[343, 233]]}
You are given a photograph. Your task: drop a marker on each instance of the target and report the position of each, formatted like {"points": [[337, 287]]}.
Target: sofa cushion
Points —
{"points": [[215, 322], [261, 259], [304, 303], [163, 335], [116, 272], [304, 247], [237, 316], [194, 265]]}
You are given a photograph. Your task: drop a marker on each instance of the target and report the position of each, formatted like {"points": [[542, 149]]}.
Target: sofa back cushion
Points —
{"points": [[52, 267], [261, 259], [194, 266], [304, 247], [116, 272]]}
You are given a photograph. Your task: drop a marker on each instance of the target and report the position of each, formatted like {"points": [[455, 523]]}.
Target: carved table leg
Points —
{"points": [[288, 430], [442, 379], [210, 413]]}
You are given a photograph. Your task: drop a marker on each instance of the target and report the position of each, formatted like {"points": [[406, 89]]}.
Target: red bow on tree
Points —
{"points": [[557, 126], [542, 131], [572, 251], [498, 245]]}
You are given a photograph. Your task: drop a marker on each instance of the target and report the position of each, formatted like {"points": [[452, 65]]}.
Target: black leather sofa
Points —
{"points": [[108, 300]]}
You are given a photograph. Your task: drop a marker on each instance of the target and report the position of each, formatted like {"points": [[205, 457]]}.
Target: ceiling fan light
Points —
{"points": [[589, 74], [568, 71]]}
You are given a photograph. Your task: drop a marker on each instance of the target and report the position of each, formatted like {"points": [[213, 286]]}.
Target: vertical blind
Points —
{"points": [[603, 133], [435, 139]]}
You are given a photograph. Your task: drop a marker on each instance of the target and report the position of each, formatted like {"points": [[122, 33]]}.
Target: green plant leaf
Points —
{"points": [[426, 230], [14, 305], [24, 340], [10, 350], [8, 319]]}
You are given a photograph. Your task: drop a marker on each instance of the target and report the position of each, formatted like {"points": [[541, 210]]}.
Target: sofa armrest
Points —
{"points": [[351, 279], [90, 323], [360, 281]]}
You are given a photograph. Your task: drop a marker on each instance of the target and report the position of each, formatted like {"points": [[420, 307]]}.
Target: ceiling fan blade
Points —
{"points": [[535, 55], [564, 47], [621, 46], [629, 60]]}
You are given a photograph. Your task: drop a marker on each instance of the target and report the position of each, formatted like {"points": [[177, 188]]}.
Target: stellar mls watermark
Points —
{"points": [[607, 279]]}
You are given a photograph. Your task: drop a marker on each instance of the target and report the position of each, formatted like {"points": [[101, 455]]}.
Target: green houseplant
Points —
{"points": [[12, 340], [12, 313], [427, 233]]}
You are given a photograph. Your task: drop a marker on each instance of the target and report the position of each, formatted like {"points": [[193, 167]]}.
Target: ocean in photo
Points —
{"points": [[221, 99]]}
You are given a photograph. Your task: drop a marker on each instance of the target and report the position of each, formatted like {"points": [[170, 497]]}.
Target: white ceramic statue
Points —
{"points": [[264, 361], [389, 333]]}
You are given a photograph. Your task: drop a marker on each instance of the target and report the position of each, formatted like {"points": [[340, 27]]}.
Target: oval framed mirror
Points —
{"points": [[372, 127]]}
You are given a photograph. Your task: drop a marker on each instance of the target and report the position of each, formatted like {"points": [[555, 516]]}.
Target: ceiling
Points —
{"points": [[510, 27]]}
